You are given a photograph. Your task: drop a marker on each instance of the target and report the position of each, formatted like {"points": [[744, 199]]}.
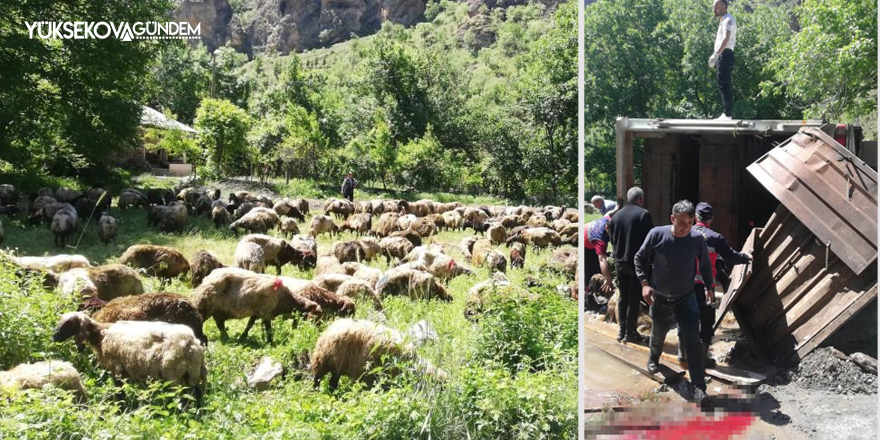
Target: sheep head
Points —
{"points": [[71, 324]]}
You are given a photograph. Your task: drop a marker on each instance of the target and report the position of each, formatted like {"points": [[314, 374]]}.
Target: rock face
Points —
{"points": [[293, 25]]}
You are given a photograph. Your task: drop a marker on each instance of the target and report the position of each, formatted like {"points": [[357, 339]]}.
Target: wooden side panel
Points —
{"points": [[717, 159], [658, 176]]}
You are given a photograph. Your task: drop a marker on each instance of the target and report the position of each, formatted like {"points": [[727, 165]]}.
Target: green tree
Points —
{"points": [[223, 129], [831, 63], [179, 78]]}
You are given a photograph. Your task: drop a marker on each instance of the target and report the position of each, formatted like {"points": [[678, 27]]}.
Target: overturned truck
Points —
{"points": [[794, 193]]}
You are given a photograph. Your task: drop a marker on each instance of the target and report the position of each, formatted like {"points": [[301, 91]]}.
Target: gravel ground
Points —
{"points": [[823, 369]]}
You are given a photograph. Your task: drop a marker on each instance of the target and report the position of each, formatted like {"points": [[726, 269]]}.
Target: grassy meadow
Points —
{"points": [[513, 372]]}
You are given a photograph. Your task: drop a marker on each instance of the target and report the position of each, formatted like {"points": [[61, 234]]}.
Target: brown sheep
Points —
{"points": [[452, 220], [278, 252], [424, 226], [233, 293], [538, 237], [386, 224], [352, 348], [481, 249], [348, 251], [171, 218], [358, 288], [102, 282], [467, 246], [412, 283], [158, 306], [496, 262], [288, 227], [257, 220], [203, 263], [288, 209], [158, 261], [564, 260], [321, 224], [497, 233], [517, 255], [220, 216], [395, 247], [360, 224], [537, 221], [410, 235], [329, 301], [339, 208], [250, 256]]}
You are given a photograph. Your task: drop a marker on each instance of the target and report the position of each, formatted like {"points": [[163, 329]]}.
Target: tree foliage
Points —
{"points": [[223, 129]]}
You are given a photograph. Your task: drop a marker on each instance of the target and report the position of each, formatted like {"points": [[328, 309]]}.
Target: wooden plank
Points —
{"points": [[736, 376], [841, 319], [667, 373]]}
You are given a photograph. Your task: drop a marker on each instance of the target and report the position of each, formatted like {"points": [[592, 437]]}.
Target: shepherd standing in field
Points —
{"points": [[664, 265], [348, 186], [722, 58]]}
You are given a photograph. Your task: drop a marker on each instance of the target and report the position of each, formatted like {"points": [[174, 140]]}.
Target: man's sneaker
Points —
{"points": [[635, 338], [699, 395], [724, 117], [653, 368], [620, 337]]}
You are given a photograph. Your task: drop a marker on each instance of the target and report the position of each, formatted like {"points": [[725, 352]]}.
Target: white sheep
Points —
{"points": [[250, 256], [55, 263], [139, 350], [43, 374]]}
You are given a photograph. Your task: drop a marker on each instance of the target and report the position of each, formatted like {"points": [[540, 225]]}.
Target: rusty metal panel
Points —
{"points": [[658, 176], [717, 169], [832, 192], [798, 293]]}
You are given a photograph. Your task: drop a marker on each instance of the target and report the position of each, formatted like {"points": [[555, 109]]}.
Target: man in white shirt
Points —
{"points": [[725, 40]]}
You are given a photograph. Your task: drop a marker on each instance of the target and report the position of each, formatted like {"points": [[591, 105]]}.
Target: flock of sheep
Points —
{"points": [[141, 336]]}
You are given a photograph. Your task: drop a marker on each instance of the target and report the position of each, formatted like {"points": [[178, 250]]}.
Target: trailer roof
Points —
{"points": [[654, 127]]}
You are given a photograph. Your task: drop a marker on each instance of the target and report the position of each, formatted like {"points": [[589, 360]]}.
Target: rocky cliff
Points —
{"points": [[292, 25]]}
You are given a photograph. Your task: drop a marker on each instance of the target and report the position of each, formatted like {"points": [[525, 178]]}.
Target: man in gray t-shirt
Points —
{"points": [[666, 267]]}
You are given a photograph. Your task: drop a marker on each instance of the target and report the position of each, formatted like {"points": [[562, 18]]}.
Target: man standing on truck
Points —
{"points": [[628, 229], [722, 58], [664, 265]]}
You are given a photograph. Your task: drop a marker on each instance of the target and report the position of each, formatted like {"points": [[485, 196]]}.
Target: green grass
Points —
{"points": [[488, 396]]}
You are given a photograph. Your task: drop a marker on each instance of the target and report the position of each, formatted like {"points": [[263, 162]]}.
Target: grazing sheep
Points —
{"points": [[220, 216], [496, 261], [497, 233], [43, 374], [477, 293], [478, 226], [412, 283], [564, 260], [55, 263], [452, 220], [160, 196], [102, 282], [171, 218], [441, 208], [257, 220], [348, 251], [517, 255], [571, 215], [370, 247], [420, 208], [302, 205], [353, 348], [107, 228], [339, 208], [279, 252], [158, 261], [203, 205], [139, 350], [537, 221], [386, 224], [480, 250], [241, 209], [64, 222], [67, 195], [438, 220], [203, 263], [467, 246], [250, 256], [512, 221], [424, 226], [289, 209], [321, 224], [360, 224], [410, 235], [368, 274], [538, 237], [331, 281], [84, 206], [475, 215], [100, 197], [404, 222], [329, 301], [131, 197], [233, 293], [159, 306], [288, 227], [307, 248], [395, 247], [434, 261], [329, 264], [358, 288]]}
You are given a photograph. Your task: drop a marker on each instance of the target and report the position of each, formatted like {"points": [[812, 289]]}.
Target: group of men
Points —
{"points": [[672, 268]]}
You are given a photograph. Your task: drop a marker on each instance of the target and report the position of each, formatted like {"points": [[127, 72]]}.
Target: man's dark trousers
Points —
{"points": [[628, 302], [685, 311], [723, 68], [707, 315]]}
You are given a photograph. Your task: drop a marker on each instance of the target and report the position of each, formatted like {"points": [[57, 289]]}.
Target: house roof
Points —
{"points": [[151, 117]]}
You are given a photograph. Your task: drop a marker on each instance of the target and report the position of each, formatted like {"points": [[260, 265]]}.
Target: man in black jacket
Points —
{"points": [[628, 229], [348, 186]]}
